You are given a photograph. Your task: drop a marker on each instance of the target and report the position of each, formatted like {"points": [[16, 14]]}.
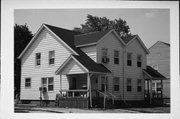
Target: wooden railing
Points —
{"points": [[74, 93], [112, 96]]}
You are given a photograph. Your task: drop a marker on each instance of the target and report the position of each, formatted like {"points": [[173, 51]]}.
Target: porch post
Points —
{"points": [[60, 84], [161, 89], [88, 82], [150, 90], [89, 89]]}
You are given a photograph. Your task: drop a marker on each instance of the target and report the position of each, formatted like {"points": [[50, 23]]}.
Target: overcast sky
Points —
{"points": [[151, 25]]}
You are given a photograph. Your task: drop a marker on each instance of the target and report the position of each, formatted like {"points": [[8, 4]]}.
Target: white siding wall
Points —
{"points": [[133, 71], [44, 43], [112, 43], [91, 51], [73, 68]]}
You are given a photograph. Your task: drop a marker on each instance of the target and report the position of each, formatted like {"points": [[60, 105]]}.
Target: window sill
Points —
{"points": [[37, 66], [51, 65]]}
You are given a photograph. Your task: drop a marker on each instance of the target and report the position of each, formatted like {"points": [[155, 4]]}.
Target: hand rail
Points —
{"points": [[73, 92], [113, 96], [101, 93]]}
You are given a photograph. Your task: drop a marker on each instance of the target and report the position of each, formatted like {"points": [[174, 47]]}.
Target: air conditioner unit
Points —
{"points": [[105, 59]]}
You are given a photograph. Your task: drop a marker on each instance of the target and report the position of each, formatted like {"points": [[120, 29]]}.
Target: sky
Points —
{"points": [[151, 25]]}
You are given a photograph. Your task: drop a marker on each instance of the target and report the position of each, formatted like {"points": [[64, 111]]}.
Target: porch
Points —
{"points": [[153, 86], [81, 84]]}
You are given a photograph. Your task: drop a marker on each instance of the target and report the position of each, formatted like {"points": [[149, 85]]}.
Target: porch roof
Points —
{"points": [[91, 65], [152, 73], [84, 64]]}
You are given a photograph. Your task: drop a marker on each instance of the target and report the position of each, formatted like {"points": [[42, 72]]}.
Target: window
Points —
{"points": [[38, 59], [48, 83], [51, 57], [139, 60], [129, 59], [116, 57], [116, 83], [104, 82], [27, 82], [105, 59], [139, 85], [129, 84], [158, 84]]}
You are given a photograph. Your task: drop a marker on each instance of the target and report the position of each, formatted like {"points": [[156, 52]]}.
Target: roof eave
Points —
{"points": [[85, 45], [115, 35], [139, 39], [30, 43]]}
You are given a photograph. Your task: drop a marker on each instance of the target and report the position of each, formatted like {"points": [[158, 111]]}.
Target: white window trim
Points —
{"points": [[47, 83], [29, 82], [51, 57], [115, 56]]}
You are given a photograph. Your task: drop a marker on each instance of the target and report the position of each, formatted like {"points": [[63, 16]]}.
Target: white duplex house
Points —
{"points": [[81, 65]]}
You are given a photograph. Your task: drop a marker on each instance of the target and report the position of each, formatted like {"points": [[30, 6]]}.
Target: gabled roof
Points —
{"points": [[63, 35], [67, 38], [87, 65], [153, 73], [93, 38], [167, 44], [89, 38], [130, 39], [92, 66]]}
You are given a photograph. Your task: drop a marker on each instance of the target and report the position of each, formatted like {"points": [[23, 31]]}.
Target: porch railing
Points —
{"points": [[74, 93], [112, 96]]}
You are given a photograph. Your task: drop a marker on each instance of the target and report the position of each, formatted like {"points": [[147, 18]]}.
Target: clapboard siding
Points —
{"points": [[133, 71], [73, 68], [111, 42], [44, 43], [91, 51], [160, 55]]}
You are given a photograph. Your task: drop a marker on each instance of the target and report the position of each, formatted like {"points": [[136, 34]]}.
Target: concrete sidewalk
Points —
{"points": [[29, 108], [69, 110]]}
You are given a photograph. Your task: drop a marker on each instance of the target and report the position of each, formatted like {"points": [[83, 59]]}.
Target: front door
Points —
{"points": [[73, 83]]}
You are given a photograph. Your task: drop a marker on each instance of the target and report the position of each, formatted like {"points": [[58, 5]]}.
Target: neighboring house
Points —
{"points": [[159, 59], [85, 65]]}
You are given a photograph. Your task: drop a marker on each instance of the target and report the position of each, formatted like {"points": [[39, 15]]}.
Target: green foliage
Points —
{"points": [[94, 23]]}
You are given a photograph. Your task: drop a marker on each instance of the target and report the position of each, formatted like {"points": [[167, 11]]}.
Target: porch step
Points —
{"points": [[99, 103]]}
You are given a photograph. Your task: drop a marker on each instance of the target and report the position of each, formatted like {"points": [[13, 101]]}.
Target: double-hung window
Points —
{"points": [[104, 55], [139, 85], [129, 59], [38, 59], [116, 83], [48, 83], [129, 84], [139, 60], [116, 57], [51, 57], [27, 82]]}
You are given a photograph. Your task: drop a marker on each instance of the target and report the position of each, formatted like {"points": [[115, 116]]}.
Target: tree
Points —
{"points": [[22, 36], [94, 23]]}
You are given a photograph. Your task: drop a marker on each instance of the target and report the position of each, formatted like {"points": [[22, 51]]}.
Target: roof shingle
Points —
{"points": [[68, 37], [153, 73], [89, 38]]}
